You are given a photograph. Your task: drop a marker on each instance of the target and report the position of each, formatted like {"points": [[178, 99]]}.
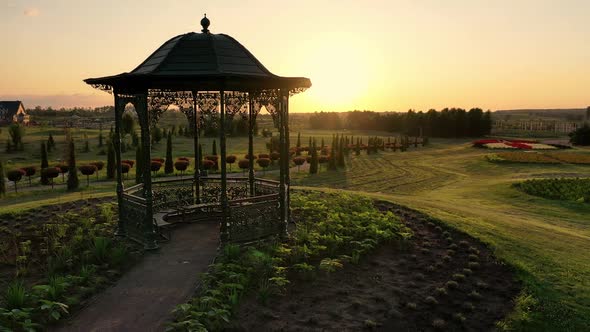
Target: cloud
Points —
{"points": [[32, 12]]}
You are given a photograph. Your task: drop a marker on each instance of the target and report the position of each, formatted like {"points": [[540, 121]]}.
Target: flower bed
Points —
{"points": [[522, 157], [512, 144], [561, 189]]}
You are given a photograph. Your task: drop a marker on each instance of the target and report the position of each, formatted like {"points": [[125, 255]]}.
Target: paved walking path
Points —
{"points": [[144, 297]]}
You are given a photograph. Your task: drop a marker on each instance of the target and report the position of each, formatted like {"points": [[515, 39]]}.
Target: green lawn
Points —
{"points": [[547, 241]]}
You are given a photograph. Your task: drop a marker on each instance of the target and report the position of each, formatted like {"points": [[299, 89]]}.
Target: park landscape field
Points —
{"points": [[460, 187]]}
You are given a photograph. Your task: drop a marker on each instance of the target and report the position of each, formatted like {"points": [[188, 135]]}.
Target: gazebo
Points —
{"points": [[210, 78]]}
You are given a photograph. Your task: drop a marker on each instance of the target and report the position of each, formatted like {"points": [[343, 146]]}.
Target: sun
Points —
{"points": [[340, 78]]}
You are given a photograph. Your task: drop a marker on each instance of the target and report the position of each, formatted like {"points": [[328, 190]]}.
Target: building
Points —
{"points": [[13, 112]]}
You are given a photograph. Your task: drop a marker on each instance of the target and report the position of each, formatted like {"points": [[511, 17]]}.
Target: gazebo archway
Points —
{"points": [[206, 76]]}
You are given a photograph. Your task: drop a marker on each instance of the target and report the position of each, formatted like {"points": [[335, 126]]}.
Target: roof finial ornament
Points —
{"points": [[205, 24]]}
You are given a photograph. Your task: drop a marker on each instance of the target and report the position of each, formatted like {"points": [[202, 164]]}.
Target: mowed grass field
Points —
{"points": [[547, 241]]}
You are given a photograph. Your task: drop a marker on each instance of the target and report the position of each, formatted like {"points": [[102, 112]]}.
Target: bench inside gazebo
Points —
{"points": [[211, 78]]}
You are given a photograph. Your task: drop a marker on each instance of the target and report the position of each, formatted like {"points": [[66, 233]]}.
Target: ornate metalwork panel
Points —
{"points": [[133, 215], [211, 190], [252, 221], [171, 195]]}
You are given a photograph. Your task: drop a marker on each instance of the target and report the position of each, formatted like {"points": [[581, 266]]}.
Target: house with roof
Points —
{"points": [[13, 112]]}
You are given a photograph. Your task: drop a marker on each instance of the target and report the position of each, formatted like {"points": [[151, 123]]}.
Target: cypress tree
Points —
{"points": [[72, 170], [44, 163], [313, 166], [309, 145], [138, 165], [214, 150], [323, 145], [357, 148], [111, 161], [2, 183], [332, 161], [100, 138], [169, 165], [50, 142], [298, 146], [341, 152]]}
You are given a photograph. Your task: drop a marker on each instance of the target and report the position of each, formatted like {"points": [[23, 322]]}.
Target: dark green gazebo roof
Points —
{"points": [[201, 61]]}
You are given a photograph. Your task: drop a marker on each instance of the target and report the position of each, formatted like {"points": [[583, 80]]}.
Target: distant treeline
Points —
{"points": [[79, 111], [449, 122]]}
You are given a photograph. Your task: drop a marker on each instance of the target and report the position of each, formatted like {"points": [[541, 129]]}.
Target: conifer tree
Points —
{"points": [[313, 166], [298, 146], [333, 155], [340, 161], [214, 150], [44, 163], [50, 143], [169, 165], [100, 138], [357, 148], [72, 170]]}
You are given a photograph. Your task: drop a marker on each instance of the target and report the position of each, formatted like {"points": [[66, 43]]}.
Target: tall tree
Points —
{"points": [[169, 164], [44, 163], [50, 143], [72, 170], [111, 167], [214, 149], [298, 146], [100, 138], [313, 166]]}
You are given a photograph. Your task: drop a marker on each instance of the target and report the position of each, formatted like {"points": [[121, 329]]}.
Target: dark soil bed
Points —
{"points": [[396, 289]]}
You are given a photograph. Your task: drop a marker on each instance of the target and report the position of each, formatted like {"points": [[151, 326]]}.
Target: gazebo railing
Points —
{"points": [[173, 193]]}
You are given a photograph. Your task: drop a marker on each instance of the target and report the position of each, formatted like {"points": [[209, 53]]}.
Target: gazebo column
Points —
{"points": [[119, 109], [149, 232], [251, 120], [196, 149], [223, 196], [284, 160], [287, 208]]}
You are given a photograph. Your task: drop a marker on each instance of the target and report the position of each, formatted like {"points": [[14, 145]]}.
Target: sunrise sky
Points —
{"points": [[386, 55]]}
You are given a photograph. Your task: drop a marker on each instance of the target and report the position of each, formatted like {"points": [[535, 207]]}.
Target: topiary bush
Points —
{"points": [[15, 175], [87, 170], [298, 161], [181, 165], [244, 164], [29, 172], [50, 173], [129, 162], [208, 164], [99, 166], [231, 159], [63, 169], [125, 169], [264, 163], [155, 166]]}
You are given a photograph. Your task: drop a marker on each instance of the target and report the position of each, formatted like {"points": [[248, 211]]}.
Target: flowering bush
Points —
{"points": [[160, 160], [263, 155], [129, 162], [208, 164], [181, 166], [244, 164]]}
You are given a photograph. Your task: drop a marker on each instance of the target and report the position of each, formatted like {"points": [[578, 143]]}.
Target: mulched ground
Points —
{"points": [[395, 289]]}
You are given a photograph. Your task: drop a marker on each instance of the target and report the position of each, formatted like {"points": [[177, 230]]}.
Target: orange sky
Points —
{"points": [[377, 55]]}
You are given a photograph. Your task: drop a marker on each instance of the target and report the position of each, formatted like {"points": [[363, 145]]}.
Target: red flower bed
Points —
{"points": [[519, 145]]}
